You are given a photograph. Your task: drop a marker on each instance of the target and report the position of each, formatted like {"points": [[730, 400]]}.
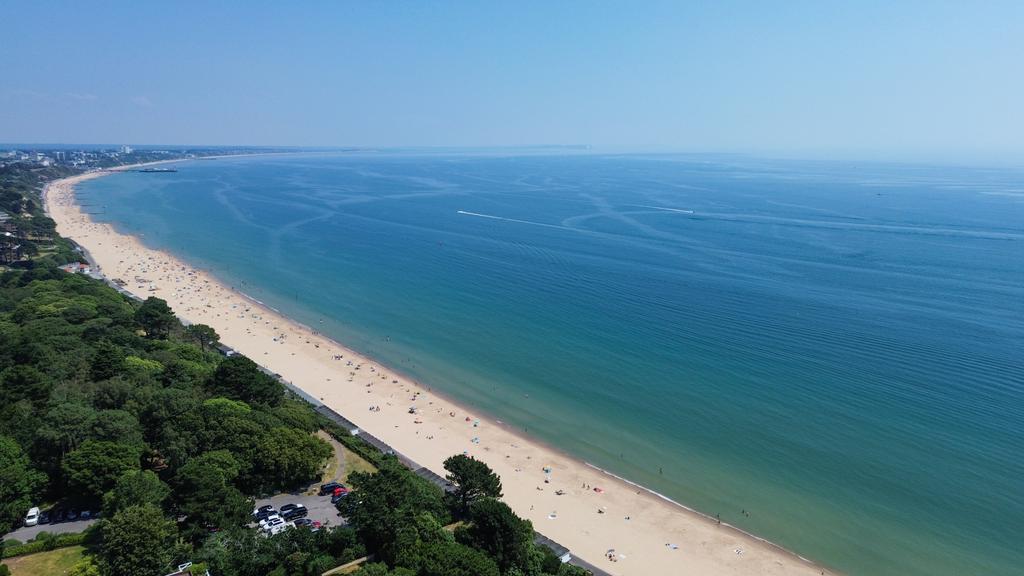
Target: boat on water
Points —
{"points": [[159, 170]]}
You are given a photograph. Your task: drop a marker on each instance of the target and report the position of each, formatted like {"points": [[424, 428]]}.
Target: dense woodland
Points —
{"points": [[107, 404]]}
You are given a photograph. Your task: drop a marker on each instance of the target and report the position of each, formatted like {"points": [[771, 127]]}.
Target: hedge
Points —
{"points": [[43, 544], [354, 443]]}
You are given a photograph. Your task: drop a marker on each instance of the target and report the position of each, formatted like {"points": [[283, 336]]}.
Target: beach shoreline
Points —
{"points": [[650, 533]]}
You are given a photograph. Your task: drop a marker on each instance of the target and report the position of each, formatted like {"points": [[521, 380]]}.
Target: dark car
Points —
{"points": [[288, 507], [337, 497], [298, 511], [329, 488], [44, 517], [263, 512], [264, 515], [304, 522]]}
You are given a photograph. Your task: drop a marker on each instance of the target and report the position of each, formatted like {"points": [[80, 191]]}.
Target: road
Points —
{"points": [[26, 533], [320, 510]]}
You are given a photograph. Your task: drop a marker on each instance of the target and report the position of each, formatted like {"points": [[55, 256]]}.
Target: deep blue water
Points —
{"points": [[837, 348]]}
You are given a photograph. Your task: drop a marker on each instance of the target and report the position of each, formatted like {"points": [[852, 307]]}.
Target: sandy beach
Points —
{"points": [[617, 526]]}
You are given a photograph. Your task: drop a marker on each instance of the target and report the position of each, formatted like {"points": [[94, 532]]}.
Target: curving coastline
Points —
{"points": [[650, 533]]}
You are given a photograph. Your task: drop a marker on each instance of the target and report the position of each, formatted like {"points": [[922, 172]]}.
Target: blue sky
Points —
{"points": [[900, 78]]}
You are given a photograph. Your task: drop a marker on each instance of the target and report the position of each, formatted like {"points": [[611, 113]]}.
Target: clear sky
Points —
{"points": [[897, 77]]}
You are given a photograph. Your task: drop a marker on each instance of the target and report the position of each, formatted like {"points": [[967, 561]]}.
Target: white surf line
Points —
{"points": [[680, 210], [467, 213]]}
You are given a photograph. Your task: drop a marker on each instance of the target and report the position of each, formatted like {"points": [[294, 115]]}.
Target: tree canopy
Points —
{"points": [[95, 466], [138, 541], [135, 488], [155, 317], [203, 335], [18, 483], [497, 531], [240, 378], [473, 480], [387, 501]]}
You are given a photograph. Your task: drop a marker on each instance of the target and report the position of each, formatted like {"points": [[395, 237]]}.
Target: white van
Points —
{"points": [[32, 518]]}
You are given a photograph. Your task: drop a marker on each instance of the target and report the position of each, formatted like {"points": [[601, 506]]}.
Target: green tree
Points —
{"points": [[205, 495], [135, 487], [19, 484], [117, 426], [319, 564], [137, 541], [203, 335], [453, 559], [288, 458], [385, 502], [497, 531], [240, 378], [24, 383], [66, 425], [473, 480], [571, 570], [155, 317], [94, 467], [107, 361]]}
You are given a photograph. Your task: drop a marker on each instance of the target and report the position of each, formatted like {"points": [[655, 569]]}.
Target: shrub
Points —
{"points": [[43, 542]]}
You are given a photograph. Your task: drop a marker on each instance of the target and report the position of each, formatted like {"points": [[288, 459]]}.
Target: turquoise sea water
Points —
{"points": [[836, 348]]}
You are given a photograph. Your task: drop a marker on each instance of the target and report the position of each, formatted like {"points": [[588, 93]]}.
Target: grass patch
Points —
{"points": [[52, 563], [355, 463], [344, 461]]}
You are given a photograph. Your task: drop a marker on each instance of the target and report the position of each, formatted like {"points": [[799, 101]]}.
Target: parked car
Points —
{"points": [[273, 524], [298, 511], [32, 518], [272, 519], [288, 507], [85, 515], [328, 488], [44, 517], [263, 512], [278, 528], [337, 497], [72, 515], [304, 522]]}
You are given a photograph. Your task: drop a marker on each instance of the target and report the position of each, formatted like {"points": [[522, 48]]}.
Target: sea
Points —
{"points": [[827, 354]]}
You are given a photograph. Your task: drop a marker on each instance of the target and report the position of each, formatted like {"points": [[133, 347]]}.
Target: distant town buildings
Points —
{"points": [[95, 158]]}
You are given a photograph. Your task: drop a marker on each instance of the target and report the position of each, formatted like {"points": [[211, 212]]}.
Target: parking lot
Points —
{"points": [[320, 508]]}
